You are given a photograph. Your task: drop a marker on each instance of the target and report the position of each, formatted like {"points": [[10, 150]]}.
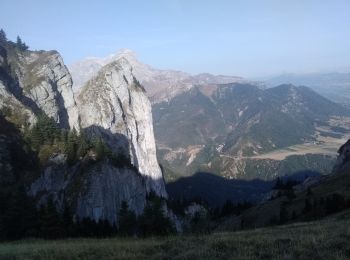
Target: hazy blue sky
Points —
{"points": [[246, 38]]}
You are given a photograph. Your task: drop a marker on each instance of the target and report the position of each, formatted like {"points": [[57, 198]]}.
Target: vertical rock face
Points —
{"points": [[343, 160], [94, 190], [107, 188], [48, 83], [40, 81], [114, 105]]}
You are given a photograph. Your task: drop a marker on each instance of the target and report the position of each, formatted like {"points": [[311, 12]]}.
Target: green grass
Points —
{"points": [[327, 239]]}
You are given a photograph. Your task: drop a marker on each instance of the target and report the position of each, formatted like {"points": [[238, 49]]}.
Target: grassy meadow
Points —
{"points": [[326, 239]]}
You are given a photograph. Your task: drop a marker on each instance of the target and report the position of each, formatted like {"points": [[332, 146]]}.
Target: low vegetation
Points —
{"points": [[327, 239]]}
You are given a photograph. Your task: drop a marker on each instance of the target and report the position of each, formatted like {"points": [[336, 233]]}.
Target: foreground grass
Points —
{"points": [[328, 239]]}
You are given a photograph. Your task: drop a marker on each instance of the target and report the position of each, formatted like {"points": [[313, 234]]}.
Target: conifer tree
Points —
{"points": [[71, 149], [153, 220], [51, 223], [20, 44], [83, 145], [3, 38], [99, 149], [127, 220]]}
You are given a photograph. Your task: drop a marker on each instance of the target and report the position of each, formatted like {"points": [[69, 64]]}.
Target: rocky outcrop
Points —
{"points": [[14, 109], [48, 83], [343, 159], [114, 105], [92, 189], [40, 81], [107, 187], [16, 162]]}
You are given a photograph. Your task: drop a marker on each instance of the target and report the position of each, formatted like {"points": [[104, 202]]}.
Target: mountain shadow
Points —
{"points": [[216, 190]]}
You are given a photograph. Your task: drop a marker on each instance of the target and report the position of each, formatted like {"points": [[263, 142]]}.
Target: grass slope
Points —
{"points": [[327, 239]]}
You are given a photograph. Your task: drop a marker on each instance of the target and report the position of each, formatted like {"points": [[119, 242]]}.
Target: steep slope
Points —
{"points": [[16, 162], [90, 168], [160, 85], [315, 198], [38, 80], [226, 129], [114, 109], [114, 105]]}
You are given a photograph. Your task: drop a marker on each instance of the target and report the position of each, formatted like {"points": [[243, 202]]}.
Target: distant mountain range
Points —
{"points": [[335, 86], [161, 85], [242, 131], [236, 127]]}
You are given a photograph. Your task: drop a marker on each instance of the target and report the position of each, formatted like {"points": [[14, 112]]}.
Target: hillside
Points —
{"points": [[214, 128], [315, 198], [216, 190], [334, 86]]}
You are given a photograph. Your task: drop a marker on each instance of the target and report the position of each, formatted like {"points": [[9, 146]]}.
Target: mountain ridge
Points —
{"points": [[237, 121], [160, 84]]}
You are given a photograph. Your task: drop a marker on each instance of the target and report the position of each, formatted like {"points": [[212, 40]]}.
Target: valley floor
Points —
{"points": [[326, 239]]}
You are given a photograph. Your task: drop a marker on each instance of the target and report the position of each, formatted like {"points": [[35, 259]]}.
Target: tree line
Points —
{"points": [[21, 45], [46, 138], [20, 215], [21, 218]]}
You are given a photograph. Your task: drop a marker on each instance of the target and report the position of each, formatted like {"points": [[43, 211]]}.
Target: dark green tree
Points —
{"points": [[51, 222], [83, 145], [20, 44], [153, 221], [127, 220], [100, 149], [19, 219], [72, 146], [45, 131], [3, 38], [283, 215]]}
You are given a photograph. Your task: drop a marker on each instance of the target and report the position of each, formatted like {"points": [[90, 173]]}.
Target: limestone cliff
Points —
{"points": [[114, 105], [91, 189], [38, 80]]}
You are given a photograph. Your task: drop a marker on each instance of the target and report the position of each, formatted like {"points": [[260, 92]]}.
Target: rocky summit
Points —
{"points": [[40, 81], [161, 85], [114, 105]]}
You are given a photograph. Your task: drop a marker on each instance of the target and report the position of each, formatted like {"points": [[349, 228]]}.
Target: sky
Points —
{"points": [[242, 38]]}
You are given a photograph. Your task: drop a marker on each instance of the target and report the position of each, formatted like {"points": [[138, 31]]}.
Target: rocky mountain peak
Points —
{"points": [[114, 105], [40, 81], [161, 85]]}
